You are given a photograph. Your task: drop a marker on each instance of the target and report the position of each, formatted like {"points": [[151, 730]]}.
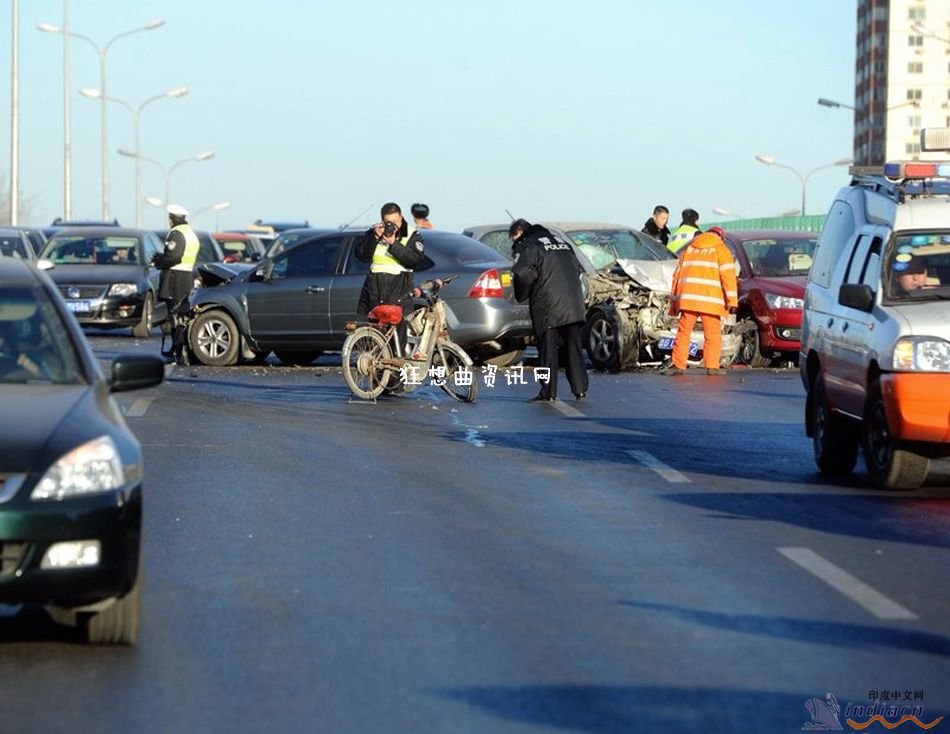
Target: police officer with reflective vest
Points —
{"points": [[682, 235], [177, 263], [393, 249]]}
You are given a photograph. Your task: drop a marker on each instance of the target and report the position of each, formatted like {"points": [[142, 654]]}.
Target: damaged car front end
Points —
{"points": [[629, 325]]}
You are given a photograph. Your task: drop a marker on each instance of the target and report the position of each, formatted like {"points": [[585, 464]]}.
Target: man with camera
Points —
{"points": [[393, 249]]}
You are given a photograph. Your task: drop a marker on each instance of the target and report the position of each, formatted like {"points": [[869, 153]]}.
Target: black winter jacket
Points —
{"points": [[547, 275], [173, 285], [663, 235]]}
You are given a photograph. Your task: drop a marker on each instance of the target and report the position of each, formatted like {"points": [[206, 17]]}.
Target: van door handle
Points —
{"points": [[830, 322], [845, 327], [315, 289]]}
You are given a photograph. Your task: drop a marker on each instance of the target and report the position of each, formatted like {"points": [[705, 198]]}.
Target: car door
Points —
{"points": [[345, 290], [851, 327], [290, 302]]}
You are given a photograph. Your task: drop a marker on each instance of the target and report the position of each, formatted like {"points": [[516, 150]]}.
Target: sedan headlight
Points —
{"points": [[92, 468], [776, 301], [123, 289], [922, 354]]}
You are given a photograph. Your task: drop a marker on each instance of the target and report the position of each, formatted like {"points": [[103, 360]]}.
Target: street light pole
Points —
{"points": [[136, 119], [213, 207], [15, 118], [67, 122], [770, 161], [167, 172], [925, 31], [102, 51]]}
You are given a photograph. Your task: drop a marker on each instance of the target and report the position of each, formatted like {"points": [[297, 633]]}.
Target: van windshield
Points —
{"points": [[917, 266]]}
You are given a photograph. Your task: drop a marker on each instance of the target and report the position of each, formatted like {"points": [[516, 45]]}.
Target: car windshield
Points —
{"points": [[780, 258], [917, 266], [12, 245], [604, 246], [35, 345], [79, 250]]}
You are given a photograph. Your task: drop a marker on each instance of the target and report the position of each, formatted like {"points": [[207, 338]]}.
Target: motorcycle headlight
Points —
{"points": [[776, 301], [922, 354], [92, 468], [123, 289]]}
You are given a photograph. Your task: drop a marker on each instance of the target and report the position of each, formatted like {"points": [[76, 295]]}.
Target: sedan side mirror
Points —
{"points": [[44, 264], [856, 295], [134, 372]]}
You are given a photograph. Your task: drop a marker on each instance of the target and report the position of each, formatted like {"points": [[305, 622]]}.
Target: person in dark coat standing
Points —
{"points": [[656, 226], [177, 264], [547, 276]]}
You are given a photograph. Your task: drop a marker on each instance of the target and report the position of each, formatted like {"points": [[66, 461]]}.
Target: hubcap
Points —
{"points": [[214, 339], [602, 339]]}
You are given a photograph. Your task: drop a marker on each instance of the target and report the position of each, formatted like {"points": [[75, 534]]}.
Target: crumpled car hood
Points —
{"points": [[657, 275]]}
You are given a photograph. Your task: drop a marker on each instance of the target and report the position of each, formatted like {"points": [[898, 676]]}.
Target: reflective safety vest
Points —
{"points": [[705, 279], [681, 237], [190, 256], [383, 262]]}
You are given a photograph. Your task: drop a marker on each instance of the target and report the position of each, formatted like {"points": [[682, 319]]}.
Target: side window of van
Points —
{"points": [[834, 236], [871, 273]]}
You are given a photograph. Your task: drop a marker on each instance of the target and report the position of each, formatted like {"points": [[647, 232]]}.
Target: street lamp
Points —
{"points": [[220, 206], [726, 213], [831, 103], [15, 118], [166, 171], [136, 115], [925, 31], [770, 161], [102, 51]]}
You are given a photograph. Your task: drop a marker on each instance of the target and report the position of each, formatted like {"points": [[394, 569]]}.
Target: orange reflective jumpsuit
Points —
{"points": [[704, 286]]}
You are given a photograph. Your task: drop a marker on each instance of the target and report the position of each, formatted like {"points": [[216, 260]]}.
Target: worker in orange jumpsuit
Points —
{"points": [[704, 286]]}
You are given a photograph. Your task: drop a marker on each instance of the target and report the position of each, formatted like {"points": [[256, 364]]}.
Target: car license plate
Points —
{"points": [[79, 306], [666, 342]]}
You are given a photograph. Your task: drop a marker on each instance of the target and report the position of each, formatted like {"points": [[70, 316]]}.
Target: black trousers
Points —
{"points": [[569, 337]]}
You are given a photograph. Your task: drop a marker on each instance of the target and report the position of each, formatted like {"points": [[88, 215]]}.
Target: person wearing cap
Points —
{"points": [[688, 229], [656, 227], [177, 263], [704, 287], [420, 215], [909, 276]]}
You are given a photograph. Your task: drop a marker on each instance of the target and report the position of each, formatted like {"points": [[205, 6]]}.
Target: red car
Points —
{"points": [[773, 267]]}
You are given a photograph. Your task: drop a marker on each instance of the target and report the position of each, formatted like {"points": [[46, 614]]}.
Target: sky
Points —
{"points": [[550, 110]]}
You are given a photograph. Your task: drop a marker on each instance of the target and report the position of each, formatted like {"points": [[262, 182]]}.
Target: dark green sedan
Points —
{"points": [[70, 469]]}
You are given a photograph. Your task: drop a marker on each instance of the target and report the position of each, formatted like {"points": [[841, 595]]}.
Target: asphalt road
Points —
{"points": [[661, 557]]}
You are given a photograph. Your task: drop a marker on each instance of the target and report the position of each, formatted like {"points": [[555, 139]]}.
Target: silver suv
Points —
{"points": [[875, 357]]}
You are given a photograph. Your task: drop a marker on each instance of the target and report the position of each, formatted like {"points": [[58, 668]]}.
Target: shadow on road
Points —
{"points": [[840, 634], [33, 624]]}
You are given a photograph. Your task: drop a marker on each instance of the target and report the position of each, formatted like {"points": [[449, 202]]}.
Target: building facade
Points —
{"points": [[902, 77]]}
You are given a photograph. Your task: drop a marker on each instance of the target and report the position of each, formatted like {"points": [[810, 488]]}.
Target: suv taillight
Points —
{"points": [[488, 285]]}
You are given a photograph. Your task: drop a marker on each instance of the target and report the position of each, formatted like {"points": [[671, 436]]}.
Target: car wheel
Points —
{"points": [[750, 351], [890, 465], [301, 359], [834, 441], [143, 329], [214, 338], [602, 340], [117, 624]]}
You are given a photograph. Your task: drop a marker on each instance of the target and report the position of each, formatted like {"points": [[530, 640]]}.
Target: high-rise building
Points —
{"points": [[902, 77]]}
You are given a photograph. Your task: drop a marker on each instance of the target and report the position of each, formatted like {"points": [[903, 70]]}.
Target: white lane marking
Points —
{"points": [[567, 410], [651, 462], [138, 408], [856, 590]]}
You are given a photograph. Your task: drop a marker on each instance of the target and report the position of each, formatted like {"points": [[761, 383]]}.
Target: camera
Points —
{"points": [[389, 229]]}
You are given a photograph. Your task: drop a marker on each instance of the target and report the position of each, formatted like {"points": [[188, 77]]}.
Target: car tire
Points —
{"points": [[602, 341], [143, 329], [750, 351], [299, 359], [214, 338], [834, 440], [890, 465], [117, 624]]}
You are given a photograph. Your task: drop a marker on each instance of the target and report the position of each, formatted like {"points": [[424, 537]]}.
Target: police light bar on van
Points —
{"points": [[935, 138], [902, 171]]}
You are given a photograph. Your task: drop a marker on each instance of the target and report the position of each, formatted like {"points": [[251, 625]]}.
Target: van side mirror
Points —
{"points": [[856, 295]]}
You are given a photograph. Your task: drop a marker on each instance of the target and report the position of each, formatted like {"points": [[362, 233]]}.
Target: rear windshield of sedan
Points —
{"points": [[462, 250], [917, 267], [603, 246], [35, 345], [79, 250], [778, 258], [12, 245]]}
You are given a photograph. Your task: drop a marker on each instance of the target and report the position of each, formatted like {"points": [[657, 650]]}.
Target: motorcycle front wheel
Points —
{"points": [[460, 379], [363, 353]]}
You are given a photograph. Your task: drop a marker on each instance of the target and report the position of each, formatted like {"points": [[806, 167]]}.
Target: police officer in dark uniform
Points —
{"points": [[547, 276], [177, 263]]}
